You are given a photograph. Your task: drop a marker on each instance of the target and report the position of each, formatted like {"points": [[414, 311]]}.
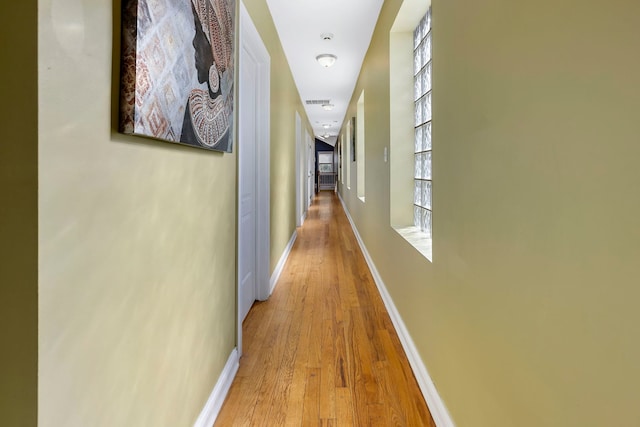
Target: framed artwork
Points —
{"points": [[353, 138], [339, 151], [177, 76]]}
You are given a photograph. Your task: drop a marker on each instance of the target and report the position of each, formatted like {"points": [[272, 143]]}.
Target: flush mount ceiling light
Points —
{"points": [[327, 107], [326, 126], [326, 59]]}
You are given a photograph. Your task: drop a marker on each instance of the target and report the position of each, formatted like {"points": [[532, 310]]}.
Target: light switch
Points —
{"points": [[385, 155]]}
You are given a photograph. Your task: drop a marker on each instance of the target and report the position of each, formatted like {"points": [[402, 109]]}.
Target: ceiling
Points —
{"points": [[300, 25]]}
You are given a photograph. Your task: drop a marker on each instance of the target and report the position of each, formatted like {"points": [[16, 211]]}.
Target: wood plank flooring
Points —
{"points": [[323, 351]]}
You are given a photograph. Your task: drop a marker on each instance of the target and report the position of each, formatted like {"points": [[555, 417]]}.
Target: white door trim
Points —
{"points": [[250, 41], [311, 170], [301, 175]]}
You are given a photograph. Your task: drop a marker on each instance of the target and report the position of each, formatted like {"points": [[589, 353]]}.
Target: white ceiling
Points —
{"points": [[299, 24]]}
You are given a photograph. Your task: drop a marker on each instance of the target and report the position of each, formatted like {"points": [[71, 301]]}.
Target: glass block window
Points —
{"points": [[423, 186]]}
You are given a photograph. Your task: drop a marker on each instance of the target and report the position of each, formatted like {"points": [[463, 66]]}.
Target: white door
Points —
{"points": [[247, 184], [253, 171], [304, 138], [301, 173], [311, 167]]}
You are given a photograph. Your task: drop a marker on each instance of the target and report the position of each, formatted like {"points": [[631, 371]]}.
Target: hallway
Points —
{"points": [[322, 350]]}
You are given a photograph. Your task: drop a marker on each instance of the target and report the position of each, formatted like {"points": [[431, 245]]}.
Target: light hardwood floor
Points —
{"points": [[322, 351]]}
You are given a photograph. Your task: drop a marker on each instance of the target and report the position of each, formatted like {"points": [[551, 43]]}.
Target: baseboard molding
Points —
{"points": [[212, 408], [280, 265], [434, 401]]}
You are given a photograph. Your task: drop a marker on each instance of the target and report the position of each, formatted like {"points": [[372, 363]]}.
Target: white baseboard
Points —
{"points": [[280, 265], [212, 408], [434, 401]]}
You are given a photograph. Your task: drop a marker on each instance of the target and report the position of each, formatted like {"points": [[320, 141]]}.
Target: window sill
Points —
{"points": [[418, 239]]}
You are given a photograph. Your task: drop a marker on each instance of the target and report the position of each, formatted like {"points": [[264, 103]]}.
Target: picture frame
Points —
{"points": [[177, 71], [339, 152], [353, 138]]}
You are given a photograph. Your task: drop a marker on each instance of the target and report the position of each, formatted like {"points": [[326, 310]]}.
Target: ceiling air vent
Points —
{"points": [[317, 101]]}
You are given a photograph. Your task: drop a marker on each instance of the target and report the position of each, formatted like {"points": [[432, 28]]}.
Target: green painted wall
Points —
{"points": [[18, 215], [528, 315], [137, 245], [136, 241]]}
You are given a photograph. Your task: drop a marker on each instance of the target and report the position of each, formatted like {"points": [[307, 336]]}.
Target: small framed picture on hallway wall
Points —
{"points": [[353, 138], [177, 71]]}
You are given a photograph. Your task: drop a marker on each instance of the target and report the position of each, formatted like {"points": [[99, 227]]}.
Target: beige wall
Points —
{"points": [[528, 315], [285, 101], [18, 215], [137, 245], [137, 238]]}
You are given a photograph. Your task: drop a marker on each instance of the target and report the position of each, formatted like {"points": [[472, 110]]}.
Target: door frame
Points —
{"points": [[301, 172], [311, 169], [251, 41]]}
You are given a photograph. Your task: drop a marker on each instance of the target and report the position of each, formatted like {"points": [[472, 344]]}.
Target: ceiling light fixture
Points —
{"points": [[327, 107], [326, 126], [326, 59]]}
